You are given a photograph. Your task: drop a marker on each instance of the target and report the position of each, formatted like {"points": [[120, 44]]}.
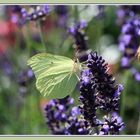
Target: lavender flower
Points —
{"points": [[88, 97], [80, 39], [6, 66], [16, 8], [23, 79], [76, 124], [101, 11], [35, 13], [135, 73], [98, 91], [124, 12], [61, 119], [111, 126], [129, 38], [129, 43], [104, 83], [56, 114], [62, 12]]}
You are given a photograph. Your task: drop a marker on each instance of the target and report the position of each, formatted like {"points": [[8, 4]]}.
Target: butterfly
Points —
{"points": [[56, 76]]}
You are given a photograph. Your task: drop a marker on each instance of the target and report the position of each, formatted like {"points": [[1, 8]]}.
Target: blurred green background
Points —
{"points": [[21, 105]]}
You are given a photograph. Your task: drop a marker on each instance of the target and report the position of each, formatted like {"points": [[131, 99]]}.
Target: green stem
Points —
{"points": [[76, 14], [41, 34], [123, 104], [123, 97], [109, 115], [138, 127], [28, 39]]}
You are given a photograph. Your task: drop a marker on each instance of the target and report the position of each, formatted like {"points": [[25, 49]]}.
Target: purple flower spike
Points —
{"points": [[35, 13], [83, 24], [112, 126], [80, 40], [61, 107], [72, 30], [47, 9], [125, 62], [24, 12], [133, 70], [75, 111], [119, 90], [137, 76], [71, 101]]}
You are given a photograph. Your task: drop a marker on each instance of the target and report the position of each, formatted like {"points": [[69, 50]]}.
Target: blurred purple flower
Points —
{"points": [[35, 12], [63, 12], [61, 119], [80, 40], [125, 62], [112, 126]]}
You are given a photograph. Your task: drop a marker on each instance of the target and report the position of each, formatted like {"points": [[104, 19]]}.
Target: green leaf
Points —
{"points": [[55, 75]]}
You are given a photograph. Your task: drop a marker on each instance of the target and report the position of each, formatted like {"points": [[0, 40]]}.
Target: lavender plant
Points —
{"points": [[63, 119], [129, 43], [35, 13], [99, 92], [80, 40], [62, 11], [124, 12], [101, 13], [24, 78], [56, 114]]}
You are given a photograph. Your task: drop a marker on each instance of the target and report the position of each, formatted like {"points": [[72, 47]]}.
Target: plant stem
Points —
{"points": [[138, 127], [123, 97], [123, 104], [109, 116], [41, 34], [76, 14]]}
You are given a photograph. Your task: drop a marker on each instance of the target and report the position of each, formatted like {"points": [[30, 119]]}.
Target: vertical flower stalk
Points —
{"points": [[124, 12], [65, 120], [101, 11], [35, 13], [129, 43], [80, 40], [62, 12], [111, 125], [88, 97], [108, 92], [56, 114], [76, 124], [23, 79], [98, 91]]}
